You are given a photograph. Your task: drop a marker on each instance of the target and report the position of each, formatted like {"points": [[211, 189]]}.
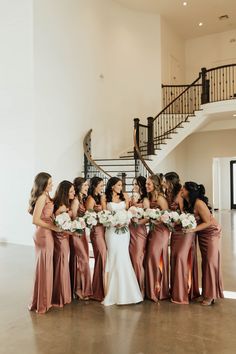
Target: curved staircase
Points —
{"points": [[185, 109]]}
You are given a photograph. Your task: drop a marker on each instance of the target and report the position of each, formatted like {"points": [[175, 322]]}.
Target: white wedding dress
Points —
{"points": [[122, 285]]}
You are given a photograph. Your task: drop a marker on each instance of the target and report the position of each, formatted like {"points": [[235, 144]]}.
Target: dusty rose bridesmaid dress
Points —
{"points": [[209, 239], [157, 263], [81, 281], [44, 245], [97, 237], [61, 283], [137, 250], [183, 265]]}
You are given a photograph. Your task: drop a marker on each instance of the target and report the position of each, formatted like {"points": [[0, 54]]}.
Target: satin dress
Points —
{"points": [[157, 262], [44, 246], [183, 264], [209, 244], [79, 264], [97, 237], [137, 251], [61, 283]]}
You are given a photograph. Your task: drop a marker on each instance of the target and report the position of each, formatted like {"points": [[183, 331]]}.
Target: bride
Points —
{"points": [[121, 285]]}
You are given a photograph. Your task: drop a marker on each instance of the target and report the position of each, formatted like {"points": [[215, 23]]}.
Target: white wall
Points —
{"points": [[16, 119], [172, 55], [209, 51], [86, 39], [52, 55], [192, 159]]}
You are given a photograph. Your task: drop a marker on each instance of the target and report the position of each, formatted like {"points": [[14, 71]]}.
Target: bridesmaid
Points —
{"points": [[156, 264], [183, 256], [138, 234], [41, 207], [209, 233], [97, 237], [65, 193], [82, 287]]}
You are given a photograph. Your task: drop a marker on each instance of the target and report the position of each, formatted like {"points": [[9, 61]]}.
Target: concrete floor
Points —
{"points": [[88, 327]]}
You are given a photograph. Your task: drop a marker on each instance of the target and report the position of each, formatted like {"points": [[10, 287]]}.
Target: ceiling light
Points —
{"points": [[200, 24], [185, 3], [234, 115]]}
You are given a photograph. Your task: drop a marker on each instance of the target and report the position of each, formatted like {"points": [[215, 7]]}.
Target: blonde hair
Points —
{"points": [[158, 189]]}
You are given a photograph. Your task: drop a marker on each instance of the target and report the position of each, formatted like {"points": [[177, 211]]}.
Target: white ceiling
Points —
{"points": [[185, 19]]}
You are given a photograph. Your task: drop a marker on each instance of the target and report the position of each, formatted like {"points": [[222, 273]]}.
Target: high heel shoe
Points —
{"points": [[208, 302]]}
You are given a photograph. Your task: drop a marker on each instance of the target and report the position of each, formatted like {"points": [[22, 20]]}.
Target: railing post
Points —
{"points": [[205, 87], [136, 126], [150, 147], [86, 161]]}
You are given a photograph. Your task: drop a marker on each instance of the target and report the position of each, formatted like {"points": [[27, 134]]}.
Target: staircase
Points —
{"points": [[186, 108]]}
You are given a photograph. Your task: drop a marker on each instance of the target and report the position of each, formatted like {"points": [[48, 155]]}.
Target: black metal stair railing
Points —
{"points": [[212, 85], [91, 168]]}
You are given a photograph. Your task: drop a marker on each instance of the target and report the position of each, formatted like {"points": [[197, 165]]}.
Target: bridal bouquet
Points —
{"points": [[78, 225], [170, 219], [187, 221], [121, 219], [154, 216], [105, 217], [90, 218], [137, 214], [63, 221]]}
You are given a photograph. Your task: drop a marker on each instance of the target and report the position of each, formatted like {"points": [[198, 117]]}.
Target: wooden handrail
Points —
{"points": [[89, 157], [140, 155]]}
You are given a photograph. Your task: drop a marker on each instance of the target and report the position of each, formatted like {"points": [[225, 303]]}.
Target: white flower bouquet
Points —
{"points": [[137, 214], [170, 219], [121, 219], [187, 221], [78, 226], [90, 218], [63, 221], [105, 217], [154, 216]]}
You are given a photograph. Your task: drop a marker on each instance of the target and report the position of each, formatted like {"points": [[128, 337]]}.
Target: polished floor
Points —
{"points": [[89, 328]]}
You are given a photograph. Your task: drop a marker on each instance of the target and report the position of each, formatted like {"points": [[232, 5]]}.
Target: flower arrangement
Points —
{"points": [[90, 218], [63, 221], [188, 221]]}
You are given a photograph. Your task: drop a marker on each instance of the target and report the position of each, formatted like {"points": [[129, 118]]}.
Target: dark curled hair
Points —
{"points": [[141, 182], [108, 192], [94, 182], [62, 195], [173, 179], [196, 191], [78, 183]]}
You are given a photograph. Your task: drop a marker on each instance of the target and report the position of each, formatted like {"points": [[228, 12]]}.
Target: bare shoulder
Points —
{"points": [[161, 199], [200, 205], [75, 202], [42, 199]]}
